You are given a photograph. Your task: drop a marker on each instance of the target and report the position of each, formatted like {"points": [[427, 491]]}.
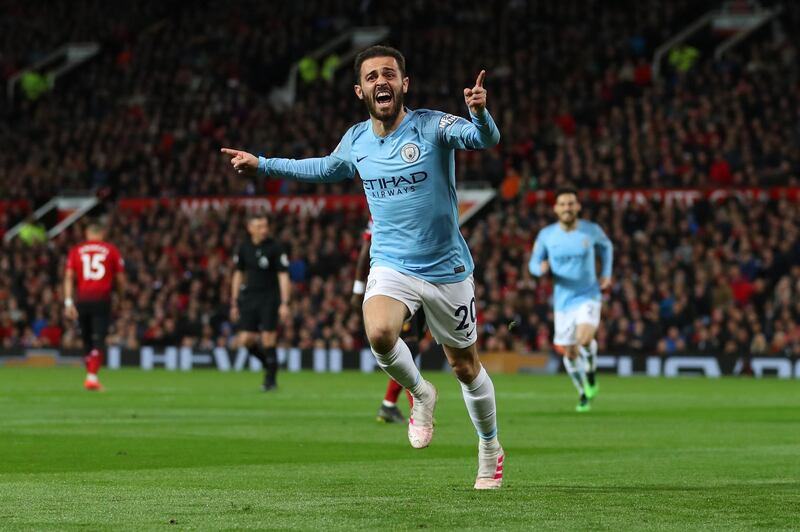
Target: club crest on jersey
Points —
{"points": [[263, 263], [410, 152], [585, 243]]}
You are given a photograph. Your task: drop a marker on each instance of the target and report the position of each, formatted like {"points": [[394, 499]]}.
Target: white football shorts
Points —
{"points": [[449, 307], [566, 323]]}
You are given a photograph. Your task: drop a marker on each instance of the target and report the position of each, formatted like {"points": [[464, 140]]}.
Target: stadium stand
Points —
{"points": [[173, 83], [715, 278], [150, 112]]}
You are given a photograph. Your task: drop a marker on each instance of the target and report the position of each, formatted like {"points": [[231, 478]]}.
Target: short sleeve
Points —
{"points": [[72, 260], [119, 262], [283, 258]]}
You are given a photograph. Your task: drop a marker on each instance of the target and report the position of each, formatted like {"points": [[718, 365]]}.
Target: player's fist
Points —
{"points": [[476, 96], [234, 313], [605, 283], [545, 267], [284, 313], [71, 312], [243, 162]]}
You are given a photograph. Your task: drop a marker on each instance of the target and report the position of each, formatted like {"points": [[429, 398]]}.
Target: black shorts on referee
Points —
{"points": [[259, 312]]}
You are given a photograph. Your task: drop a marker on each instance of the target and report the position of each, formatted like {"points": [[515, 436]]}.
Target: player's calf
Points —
{"points": [[589, 355], [575, 369]]}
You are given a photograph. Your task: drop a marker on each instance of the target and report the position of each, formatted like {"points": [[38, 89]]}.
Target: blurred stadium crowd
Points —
{"points": [[570, 85], [714, 278]]}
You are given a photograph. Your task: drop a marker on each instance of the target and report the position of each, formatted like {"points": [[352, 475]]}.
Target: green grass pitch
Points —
{"points": [[207, 450]]}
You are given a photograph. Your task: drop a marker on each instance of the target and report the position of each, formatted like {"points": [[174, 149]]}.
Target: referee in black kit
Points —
{"points": [[260, 292]]}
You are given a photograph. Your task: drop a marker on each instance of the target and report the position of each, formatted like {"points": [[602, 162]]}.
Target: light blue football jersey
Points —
{"points": [[571, 255], [409, 181]]}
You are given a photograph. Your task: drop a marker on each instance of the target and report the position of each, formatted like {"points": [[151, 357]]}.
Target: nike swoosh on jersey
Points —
{"points": [[359, 159]]}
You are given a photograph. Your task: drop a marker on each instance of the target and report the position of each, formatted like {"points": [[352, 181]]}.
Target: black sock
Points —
{"points": [[590, 377], [256, 351], [271, 365]]}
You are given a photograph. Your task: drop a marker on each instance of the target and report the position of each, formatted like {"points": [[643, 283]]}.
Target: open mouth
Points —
{"points": [[384, 98]]}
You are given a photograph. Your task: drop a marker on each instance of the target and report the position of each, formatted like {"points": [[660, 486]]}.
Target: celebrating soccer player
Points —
{"points": [[260, 298], [419, 259], [567, 250], [96, 265]]}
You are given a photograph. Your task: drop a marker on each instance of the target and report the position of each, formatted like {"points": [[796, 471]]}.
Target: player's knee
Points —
{"points": [[269, 340], [567, 351], [570, 351], [382, 337], [247, 340]]}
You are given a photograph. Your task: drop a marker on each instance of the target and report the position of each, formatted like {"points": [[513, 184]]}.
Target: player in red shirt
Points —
{"points": [[413, 331], [96, 266]]}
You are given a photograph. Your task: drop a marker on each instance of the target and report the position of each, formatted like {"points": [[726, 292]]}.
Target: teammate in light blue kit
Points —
{"points": [[568, 249], [419, 259]]}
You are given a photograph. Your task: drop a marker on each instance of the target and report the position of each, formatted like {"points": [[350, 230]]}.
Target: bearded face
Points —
{"points": [[382, 88], [567, 208]]}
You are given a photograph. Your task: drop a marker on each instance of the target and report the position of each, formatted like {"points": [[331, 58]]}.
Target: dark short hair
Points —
{"points": [[257, 215], [378, 51], [95, 228], [560, 191]]}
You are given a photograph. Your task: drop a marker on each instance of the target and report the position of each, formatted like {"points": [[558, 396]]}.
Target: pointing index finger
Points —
{"points": [[481, 77], [230, 151]]}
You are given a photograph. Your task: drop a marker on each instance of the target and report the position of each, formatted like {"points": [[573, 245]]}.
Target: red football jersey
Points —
{"points": [[95, 264]]}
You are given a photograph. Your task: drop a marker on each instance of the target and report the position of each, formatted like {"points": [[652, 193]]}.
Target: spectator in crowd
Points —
{"points": [[663, 300], [577, 100], [578, 103]]}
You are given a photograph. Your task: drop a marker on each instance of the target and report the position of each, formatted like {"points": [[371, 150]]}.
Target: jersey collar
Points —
{"points": [[403, 124]]}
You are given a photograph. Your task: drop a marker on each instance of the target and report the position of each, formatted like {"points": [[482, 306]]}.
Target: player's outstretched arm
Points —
{"points": [[334, 167]]}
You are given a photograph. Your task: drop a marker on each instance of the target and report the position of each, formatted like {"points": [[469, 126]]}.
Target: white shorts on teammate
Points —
{"points": [[566, 322]]}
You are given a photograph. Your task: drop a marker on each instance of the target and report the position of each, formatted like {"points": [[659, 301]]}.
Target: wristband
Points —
{"points": [[68, 302], [359, 287]]}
